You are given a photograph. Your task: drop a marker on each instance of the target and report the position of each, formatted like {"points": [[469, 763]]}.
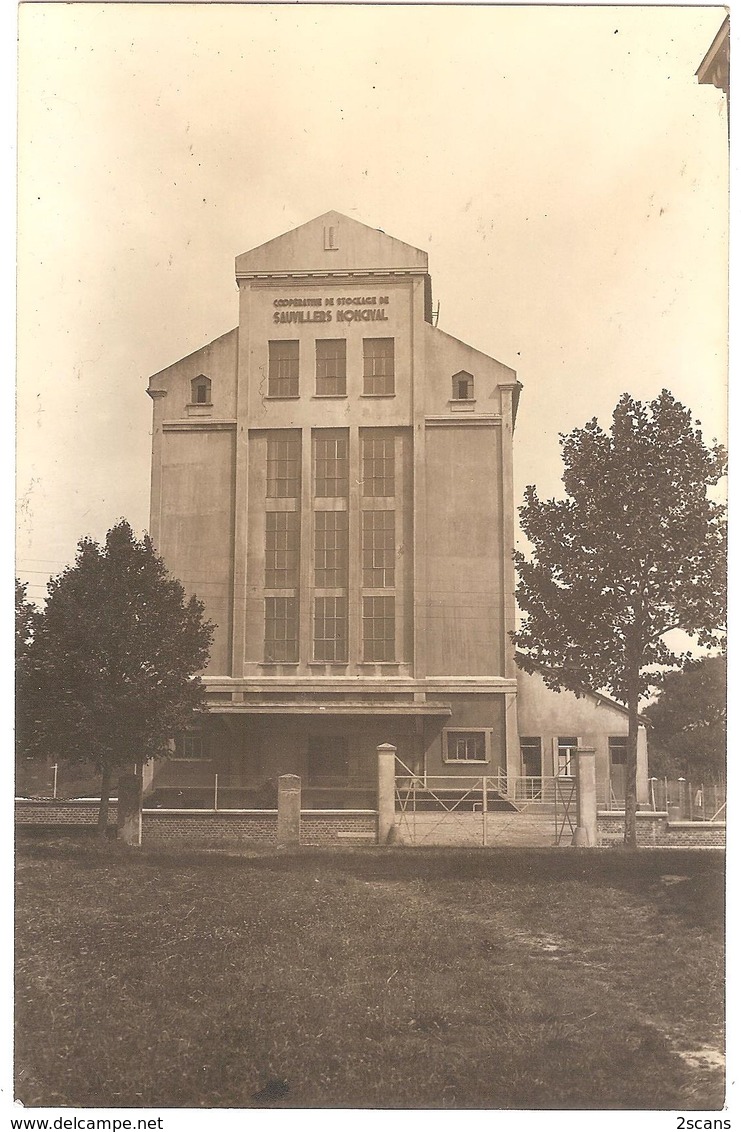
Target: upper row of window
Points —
{"points": [[331, 367]]}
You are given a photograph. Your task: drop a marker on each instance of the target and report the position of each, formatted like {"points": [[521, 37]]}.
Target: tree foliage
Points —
{"points": [[112, 667], [635, 550], [688, 722]]}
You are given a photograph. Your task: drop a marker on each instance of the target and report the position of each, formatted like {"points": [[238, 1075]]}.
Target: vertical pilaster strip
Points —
{"points": [[241, 485], [306, 552], [419, 487], [354, 564], [155, 496]]}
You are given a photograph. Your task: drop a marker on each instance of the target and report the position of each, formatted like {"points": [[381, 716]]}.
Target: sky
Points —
{"points": [[561, 166]]}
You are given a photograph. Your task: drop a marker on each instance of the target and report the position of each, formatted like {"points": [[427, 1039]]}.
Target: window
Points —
{"points": [[330, 464], [379, 629], [284, 465], [463, 386], [283, 369], [331, 367], [281, 630], [190, 746], [566, 756], [379, 549], [328, 760], [330, 549], [200, 390], [378, 367], [465, 746], [618, 750], [281, 550], [330, 628], [377, 448], [532, 757]]}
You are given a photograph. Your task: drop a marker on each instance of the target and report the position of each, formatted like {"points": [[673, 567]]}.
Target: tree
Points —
{"points": [[688, 721], [635, 550], [26, 620], [113, 664]]}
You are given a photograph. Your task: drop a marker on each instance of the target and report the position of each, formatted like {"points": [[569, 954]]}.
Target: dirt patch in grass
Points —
{"points": [[386, 979]]}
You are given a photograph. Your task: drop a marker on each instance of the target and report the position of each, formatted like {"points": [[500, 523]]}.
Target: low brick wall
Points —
{"points": [[39, 811], [654, 829], [339, 827], [208, 827]]}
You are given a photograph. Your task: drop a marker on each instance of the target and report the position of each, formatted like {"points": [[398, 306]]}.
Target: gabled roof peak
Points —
{"points": [[331, 243]]}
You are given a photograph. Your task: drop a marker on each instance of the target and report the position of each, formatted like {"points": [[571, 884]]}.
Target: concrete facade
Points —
{"points": [[333, 478]]}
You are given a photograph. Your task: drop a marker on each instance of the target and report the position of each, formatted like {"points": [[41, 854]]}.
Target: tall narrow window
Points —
{"points": [[379, 627], [283, 369], [281, 550], [330, 549], [379, 550], [378, 367], [330, 464], [284, 464], [378, 463], [331, 367], [463, 386], [200, 390], [330, 628], [566, 756], [281, 630]]}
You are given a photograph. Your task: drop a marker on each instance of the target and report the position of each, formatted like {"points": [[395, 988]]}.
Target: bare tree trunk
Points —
{"points": [[630, 840], [105, 791]]}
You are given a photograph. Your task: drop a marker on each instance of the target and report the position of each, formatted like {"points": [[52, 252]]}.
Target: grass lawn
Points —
{"points": [[402, 978]]}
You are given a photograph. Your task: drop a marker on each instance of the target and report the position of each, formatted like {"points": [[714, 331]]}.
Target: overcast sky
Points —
{"points": [[561, 166]]}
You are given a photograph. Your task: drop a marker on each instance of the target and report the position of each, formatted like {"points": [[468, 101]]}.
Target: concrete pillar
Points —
{"points": [[129, 821], [586, 798], [289, 811], [386, 792]]}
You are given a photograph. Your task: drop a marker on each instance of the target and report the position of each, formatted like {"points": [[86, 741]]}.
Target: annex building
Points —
{"points": [[333, 478]]}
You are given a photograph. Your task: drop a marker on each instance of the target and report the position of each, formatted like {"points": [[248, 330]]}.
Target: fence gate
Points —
{"points": [[564, 809], [444, 810]]}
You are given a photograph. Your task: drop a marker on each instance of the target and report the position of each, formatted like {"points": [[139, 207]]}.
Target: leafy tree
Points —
{"points": [[688, 721], [113, 664], [635, 550], [26, 620]]}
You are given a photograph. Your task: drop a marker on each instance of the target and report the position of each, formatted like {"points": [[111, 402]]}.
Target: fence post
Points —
{"points": [[129, 815], [586, 798], [289, 811], [216, 791], [386, 791]]}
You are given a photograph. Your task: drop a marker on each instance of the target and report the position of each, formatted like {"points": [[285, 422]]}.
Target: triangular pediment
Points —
{"points": [[332, 243]]}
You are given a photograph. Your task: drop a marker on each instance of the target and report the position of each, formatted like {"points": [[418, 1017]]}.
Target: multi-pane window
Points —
{"points": [[379, 628], [284, 465], [190, 746], [465, 746], [330, 628], [378, 367], [566, 756], [330, 549], [377, 453], [331, 367], [281, 550], [330, 464], [281, 630], [283, 369], [618, 750], [379, 550]]}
